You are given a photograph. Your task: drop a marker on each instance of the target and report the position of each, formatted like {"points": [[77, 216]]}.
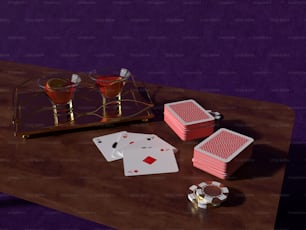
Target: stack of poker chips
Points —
{"points": [[208, 194], [222, 153], [189, 120]]}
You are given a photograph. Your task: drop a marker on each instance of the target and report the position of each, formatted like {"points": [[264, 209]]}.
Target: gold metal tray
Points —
{"points": [[33, 112]]}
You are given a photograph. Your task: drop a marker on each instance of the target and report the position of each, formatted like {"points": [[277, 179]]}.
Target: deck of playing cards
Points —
{"points": [[188, 119], [222, 153], [142, 154]]}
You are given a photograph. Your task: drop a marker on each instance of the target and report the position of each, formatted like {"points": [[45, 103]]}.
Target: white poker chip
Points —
{"points": [[212, 192], [208, 194], [202, 205], [192, 196], [218, 117]]}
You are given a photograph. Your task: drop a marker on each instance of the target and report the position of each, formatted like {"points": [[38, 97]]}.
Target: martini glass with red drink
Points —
{"points": [[60, 88], [110, 84]]}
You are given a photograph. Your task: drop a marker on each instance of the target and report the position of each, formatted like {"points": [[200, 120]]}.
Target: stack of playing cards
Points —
{"points": [[188, 119], [142, 154], [222, 153]]}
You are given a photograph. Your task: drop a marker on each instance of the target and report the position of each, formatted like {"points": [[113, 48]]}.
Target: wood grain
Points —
{"points": [[66, 171]]}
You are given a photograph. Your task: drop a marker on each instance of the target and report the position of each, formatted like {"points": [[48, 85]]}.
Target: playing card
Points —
{"points": [[240, 159], [188, 113], [127, 139], [151, 141], [107, 145], [224, 145], [145, 161], [216, 173], [189, 134], [222, 153], [188, 119]]}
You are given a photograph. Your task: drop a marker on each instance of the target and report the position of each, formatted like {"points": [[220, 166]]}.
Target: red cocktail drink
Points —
{"points": [[59, 90], [110, 86]]}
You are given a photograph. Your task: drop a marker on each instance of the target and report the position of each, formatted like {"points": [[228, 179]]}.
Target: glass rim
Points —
{"points": [[95, 74], [42, 81], [99, 79]]}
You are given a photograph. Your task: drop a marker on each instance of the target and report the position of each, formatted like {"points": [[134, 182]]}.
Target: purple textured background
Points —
{"points": [[254, 49]]}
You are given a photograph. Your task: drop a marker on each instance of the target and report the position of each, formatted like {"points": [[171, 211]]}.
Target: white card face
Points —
{"points": [[149, 161], [148, 142], [127, 139], [107, 144]]}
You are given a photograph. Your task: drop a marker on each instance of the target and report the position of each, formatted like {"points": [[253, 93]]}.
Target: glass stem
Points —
{"points": [[63, 113], [55, 115], [119, 104], [104, 106], [70, 115]]}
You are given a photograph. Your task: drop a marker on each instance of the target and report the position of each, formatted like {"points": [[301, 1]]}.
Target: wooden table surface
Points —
{"points": [[67, 172]]}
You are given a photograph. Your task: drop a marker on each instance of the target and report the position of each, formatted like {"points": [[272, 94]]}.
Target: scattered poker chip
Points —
{"points": [[208, 194], [216, 115]]}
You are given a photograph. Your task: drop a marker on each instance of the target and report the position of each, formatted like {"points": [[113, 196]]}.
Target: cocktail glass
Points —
{"points": [[110, 84], [60, 88]]}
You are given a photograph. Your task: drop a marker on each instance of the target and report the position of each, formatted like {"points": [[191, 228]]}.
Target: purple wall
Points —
{"points": [[254, 49]]}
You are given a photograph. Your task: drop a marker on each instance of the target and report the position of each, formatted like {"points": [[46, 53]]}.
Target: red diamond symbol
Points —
{"points": [[149, 160]]}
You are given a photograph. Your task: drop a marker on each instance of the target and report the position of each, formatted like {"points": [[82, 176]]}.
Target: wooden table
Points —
{"points": [[66, 171]]}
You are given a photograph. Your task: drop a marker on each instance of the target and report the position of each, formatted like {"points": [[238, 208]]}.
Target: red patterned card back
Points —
{"points": [[189, 112], [224, 144]]}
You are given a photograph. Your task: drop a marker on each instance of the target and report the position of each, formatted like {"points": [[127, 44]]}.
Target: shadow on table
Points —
{"points": [[292, 206], [235, 198], [240, 127], [264, 162]]}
